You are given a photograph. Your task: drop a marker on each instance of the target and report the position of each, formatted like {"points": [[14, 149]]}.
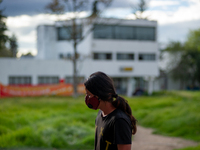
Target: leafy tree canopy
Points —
{"points": [[193, 40], [5, 51], [186, 63]]}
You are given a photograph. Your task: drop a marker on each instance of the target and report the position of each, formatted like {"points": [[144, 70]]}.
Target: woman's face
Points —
{"points": [[91, 100]]}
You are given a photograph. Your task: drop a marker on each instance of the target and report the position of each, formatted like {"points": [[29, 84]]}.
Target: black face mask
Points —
{"points": [[92, 103]]}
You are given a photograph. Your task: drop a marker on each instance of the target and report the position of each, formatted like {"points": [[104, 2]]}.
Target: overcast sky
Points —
{"points": [[175, 18]]}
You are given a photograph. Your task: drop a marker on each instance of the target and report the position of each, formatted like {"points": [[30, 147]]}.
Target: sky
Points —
{"points": [[175, 18]]}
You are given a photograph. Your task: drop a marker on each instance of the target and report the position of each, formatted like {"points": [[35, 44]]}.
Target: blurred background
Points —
{"points": [[141, 44], [48, 48]]}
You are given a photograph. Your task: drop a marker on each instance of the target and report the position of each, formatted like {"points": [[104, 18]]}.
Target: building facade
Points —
{"points": [[126, 50]]}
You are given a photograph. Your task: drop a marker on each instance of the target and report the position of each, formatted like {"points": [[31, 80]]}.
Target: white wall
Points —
{"points": [[46, 39], [33, 68], [124, 46], [67, 46], [62, 68], [50, 48], [113, 68]]}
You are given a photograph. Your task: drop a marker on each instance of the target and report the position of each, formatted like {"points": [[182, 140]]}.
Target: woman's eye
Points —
{"points": [[88, 95]]}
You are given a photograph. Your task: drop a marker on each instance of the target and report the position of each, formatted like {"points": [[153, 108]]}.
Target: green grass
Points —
{"points": [[46, 122], [171, 114], [67, 123]]}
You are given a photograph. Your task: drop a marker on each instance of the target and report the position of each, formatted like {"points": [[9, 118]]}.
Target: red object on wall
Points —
{"points": [[39, 90], [62, 81]]}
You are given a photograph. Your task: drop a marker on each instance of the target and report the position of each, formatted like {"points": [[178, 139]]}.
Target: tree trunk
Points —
{"points": [[75, 70], [74, 59]]}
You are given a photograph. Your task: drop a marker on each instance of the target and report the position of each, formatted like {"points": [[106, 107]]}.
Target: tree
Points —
{"points": [[13, 45], [185, 59], [192, 45], [4, 51], [27, 55], [193, 40], [75, 25], [139, 9]]}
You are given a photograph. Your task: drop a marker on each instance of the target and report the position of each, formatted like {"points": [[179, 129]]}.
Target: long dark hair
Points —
{"points": [[101, 85]]}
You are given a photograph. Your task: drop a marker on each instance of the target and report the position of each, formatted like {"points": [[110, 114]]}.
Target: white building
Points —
{"points": [[126, 50]]}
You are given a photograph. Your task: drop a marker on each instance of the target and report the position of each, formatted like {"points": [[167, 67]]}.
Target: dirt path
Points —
{"points": [[145, 140]]}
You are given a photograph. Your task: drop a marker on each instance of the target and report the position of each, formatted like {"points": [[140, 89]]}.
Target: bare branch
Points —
{"points": [[139, 9], [68, 5], [55, 7], [76, 26], [82, 5]]}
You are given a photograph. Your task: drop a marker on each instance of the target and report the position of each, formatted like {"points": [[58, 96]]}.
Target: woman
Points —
{"points": [[115, 123]]}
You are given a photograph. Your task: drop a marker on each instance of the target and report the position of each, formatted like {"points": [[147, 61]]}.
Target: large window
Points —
{"points": [[145, 33], [17, 80], [102, 56], [124, 32], [66, 33], [124, 56], [69, 79], [48, 80], [147, 57], [103, 32]]}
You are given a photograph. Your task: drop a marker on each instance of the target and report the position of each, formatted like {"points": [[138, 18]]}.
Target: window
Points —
{"points": [[145, 33], [65, 33], [16, 80], [147, 57], [103, 32], [123, 56], [70, 80], [124, 32], [65, 56], [102, 56], [61, 56], [48, 80]]}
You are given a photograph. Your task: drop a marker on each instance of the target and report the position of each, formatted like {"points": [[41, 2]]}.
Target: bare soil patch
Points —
{"points": [[145, 140]]}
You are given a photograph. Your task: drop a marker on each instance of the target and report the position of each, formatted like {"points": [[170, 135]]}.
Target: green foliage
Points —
{"points": [[174, 46], [191, 148], [67, 123], [3, 36], [172, 114], [46, 122], [192, 42], [13, 45], [21, 137], [4, 51], [185, 59], [193, 52]]}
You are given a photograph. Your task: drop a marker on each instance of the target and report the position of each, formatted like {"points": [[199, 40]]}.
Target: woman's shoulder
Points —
{"points": [[122, 117], [120, 114]]}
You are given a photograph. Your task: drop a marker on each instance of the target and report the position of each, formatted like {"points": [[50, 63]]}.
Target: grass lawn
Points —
{"points": [[67, 123], [46, 122]]}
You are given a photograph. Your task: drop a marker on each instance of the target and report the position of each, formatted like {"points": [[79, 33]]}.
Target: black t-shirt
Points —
{"points": [[113, 129]]}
